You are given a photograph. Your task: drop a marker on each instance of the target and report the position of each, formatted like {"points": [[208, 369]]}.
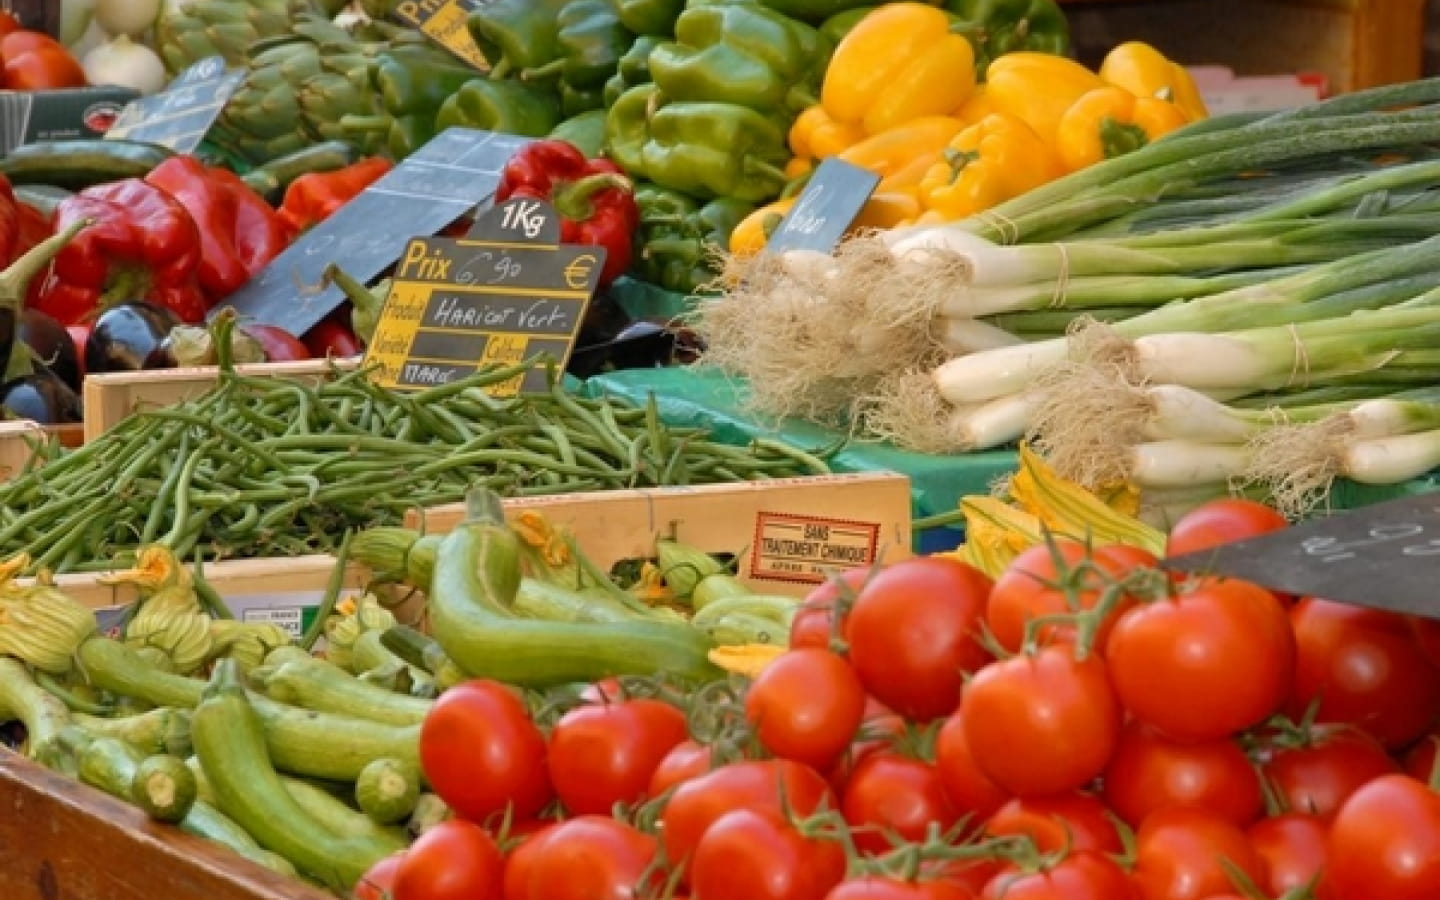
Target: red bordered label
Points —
{"points": [[805, 549]]}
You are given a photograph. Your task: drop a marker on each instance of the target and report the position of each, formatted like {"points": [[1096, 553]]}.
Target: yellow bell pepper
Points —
{"points": [[889, 151], [816, 135], [1109, 122], [1037, 88], [993, 160], [975, 108], [886, 209], [899, 63], [750, 234], [799, 167], [1145, 72]]}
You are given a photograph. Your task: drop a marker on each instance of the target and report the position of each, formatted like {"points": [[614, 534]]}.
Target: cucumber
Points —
{"points": [[42, 197], [272, 178], [79, 164], [164, 787], [387, 790], [230, 744]]}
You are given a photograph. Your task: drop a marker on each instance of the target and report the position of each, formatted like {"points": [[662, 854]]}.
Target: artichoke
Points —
{"points": [[188, 31]]}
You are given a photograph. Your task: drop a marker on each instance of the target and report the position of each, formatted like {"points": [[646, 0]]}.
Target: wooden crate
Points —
{"points": [[787, 532], [63, 839], [18, 439], [111, 396]]}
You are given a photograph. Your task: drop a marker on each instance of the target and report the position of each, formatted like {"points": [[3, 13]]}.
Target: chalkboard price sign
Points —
{"points": [[180, 116], [1385, 556], [506, 293], [831, 200], [428, 190]]}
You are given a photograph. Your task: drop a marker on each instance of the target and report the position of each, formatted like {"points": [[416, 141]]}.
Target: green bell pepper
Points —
{"points": [[741, 53], [634, 68], [574, 101], [586, 131], [997, 27], [814, 11], [680, 238], [652, 17], [507, 105], [515, 35], [412, 81], [704, 148], [837, 26], [589, 44]]}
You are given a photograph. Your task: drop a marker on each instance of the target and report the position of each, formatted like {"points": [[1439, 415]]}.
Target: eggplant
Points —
{"points": [[131, 336], [51, 344], [42, 396]]}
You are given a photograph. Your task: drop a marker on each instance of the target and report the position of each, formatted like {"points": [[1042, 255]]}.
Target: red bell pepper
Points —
{"points": [[35, 61], [314, 196], [333, 336], [239, 232], [141, 245], [595, 201]]}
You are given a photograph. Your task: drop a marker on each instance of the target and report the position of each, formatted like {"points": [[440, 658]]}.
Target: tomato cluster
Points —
{"points": [[1085, 727]]}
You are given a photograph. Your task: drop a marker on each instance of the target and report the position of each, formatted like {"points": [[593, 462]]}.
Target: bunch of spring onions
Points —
{"points": [[1256, 280]]}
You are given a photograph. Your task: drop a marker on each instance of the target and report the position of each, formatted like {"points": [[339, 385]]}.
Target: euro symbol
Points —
{"points": [[577, 274]]}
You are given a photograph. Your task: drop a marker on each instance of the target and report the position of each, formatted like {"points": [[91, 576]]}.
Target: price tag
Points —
{"points": [[446, 22], [431, 188], [831, 200], [180, 116], [506, 293], [1385, 556]]}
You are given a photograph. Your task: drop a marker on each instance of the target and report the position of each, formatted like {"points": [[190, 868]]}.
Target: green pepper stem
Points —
{"points": [[366, 304], [501, 69], [540, 73], [767, 170], [575, 200], [690, 249], [15, 279]]}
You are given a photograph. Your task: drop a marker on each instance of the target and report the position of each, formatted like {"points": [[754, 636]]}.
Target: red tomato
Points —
{"points": [[378, 882], [969, 789], [1212, 660], [814, 622], [454, 860], [806, 705], [913, 634], [591, 857], [758, 855], [1385, 842], [8, 23], [1179, 852], [481, 753], [1293, 848], [1076, 820], [519, 869], [35, 61], [1365, 668], [1149, 771], [601, 754], [1219, 522], [1079, 875], [1420, 761], [276, 343], [888, 793], [773, 784], [1035, 585], [1319, 775], [687, 759], [879, 887], [1041, 724]]}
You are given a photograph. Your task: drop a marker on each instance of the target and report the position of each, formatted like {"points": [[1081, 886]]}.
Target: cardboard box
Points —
{"points": [[787, 533], [111, 396]]}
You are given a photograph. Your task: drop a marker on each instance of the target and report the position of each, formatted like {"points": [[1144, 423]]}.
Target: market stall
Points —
{"points": [[718, 449]]}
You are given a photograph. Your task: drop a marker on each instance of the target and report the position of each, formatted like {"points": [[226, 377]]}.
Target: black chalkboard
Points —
{"points": [[1385, 556], [506, 293], [180, 116], [446, 23], [830, 201], [431, 188]]}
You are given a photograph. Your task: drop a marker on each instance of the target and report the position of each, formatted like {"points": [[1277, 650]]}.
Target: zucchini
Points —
{"points": [[476, 577], [230, 744], [315, 684], [44, 715], [270, 179], [207, 822], [158, 730], [164, 788], [550, 602], [387, 790], [81, 163], [302, 742], [430, 811], [108, 764]]}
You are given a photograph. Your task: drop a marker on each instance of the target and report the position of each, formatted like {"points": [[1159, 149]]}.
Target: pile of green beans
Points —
{"points": [[273, 467]]}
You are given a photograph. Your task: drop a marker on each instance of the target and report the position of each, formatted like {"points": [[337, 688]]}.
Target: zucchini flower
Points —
{"points": [[248, 643], [44, 627], [170, 618], [355, 617]]}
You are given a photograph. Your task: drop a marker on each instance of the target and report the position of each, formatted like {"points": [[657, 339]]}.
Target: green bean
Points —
{"points": [[166, 491], [182, 496]]}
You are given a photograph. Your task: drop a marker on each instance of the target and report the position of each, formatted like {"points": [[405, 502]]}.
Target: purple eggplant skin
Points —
{"points": [[41, 396], [130, 336], [51, 344]]}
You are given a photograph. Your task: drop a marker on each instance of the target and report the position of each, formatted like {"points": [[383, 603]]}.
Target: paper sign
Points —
{"points": [[446, 22], [180, 116], [1385, 556], [808, 549], [831, 200], [506, 293], [427, 191]]}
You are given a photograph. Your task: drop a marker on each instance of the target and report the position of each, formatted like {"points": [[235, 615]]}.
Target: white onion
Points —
{"points": [[123, 62], [128, 17]]}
